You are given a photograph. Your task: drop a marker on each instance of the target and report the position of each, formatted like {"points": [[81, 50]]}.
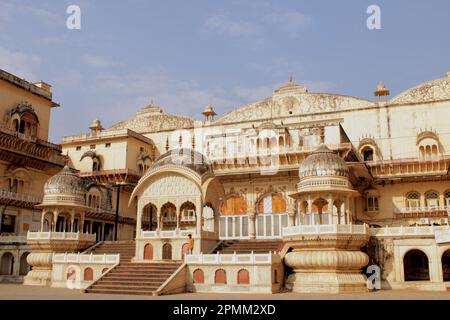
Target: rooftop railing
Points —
{"points": [[326, 229], [167, 234], [86, 258]]}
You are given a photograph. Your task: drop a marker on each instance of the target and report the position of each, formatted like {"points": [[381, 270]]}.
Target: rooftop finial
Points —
{"points": [[290, 78]]}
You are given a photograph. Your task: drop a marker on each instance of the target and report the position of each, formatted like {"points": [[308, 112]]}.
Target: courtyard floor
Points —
{"points": [[20, 292]]}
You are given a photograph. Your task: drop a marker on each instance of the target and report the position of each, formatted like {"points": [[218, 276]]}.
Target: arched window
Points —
{"points": [[187, 211], [243, 277], [169, 214], [413, 199], [220, 277], [447, 198], [88, 274], [272, 203], [432, 199], [234, 205], [371, 196], [149, 217], [24, 266], [367, 153], [7, 264], [416, 266], [199, 276]]}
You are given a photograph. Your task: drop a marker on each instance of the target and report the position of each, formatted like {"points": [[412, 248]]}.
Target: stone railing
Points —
{"points": [[167, 234], [60, 236], [422, 209], [13, 239], [20, 197], [86, 258], [407, 231], [326, 229], [247, 258]]}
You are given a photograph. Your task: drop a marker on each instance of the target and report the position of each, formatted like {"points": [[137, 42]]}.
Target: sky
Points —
{"points": [[184, 55]]}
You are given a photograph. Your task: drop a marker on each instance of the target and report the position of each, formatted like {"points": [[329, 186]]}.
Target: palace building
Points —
{"points": [[300, 191]]}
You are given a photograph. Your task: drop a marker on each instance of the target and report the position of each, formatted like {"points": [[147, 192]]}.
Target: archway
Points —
{"points": [[187, 211], [148, 252], [234, 205], [446, 265], [272, 215], [243, 277], [149, 217], [167, 251], [88, 274], [169, 216], [220, 277], [24, 266], [184, 250], [416, 266], [7, 264], [199, 276]]}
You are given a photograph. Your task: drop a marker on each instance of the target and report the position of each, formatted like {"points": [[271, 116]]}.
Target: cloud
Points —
{"points": [[19, 63], [222, 23], [261, 20], [98, 61]]}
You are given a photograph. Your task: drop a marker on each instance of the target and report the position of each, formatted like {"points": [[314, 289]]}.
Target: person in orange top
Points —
{"points": [[190, 243]]}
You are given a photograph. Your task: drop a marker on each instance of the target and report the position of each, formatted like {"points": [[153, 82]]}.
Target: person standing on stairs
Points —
{"points": [[190, 243]]}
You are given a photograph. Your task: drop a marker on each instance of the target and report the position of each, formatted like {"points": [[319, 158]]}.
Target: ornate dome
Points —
{"points": [[185, 157], [65, 185], [323, 162]]}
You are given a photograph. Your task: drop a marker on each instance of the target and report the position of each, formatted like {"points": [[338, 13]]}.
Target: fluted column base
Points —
{"points": [[327, 282], [327, 271], [41, 273]]}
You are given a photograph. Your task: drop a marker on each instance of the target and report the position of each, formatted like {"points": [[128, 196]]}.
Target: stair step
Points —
{"points": [[129, 283], [126, 287], [130, 292]]}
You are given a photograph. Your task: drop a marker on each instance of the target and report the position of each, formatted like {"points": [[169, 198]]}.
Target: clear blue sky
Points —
{"points": [[186, 54]]}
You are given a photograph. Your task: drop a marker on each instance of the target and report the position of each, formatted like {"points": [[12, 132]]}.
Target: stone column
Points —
{"points": [[309, 210], [55, 220], [159, 225]]}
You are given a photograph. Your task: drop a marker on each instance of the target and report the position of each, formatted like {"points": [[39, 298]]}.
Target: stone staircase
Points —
{"points": [[131, 278], [247, 246]]}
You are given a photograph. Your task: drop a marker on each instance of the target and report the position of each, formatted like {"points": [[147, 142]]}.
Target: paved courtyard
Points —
{"points": [[20, 292]]}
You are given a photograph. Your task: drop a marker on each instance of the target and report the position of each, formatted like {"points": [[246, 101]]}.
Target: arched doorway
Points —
{"points": [[446, 265], [148, 252], [167, 251], [7, 264], [416, 266], [184, 250], [233, 220], [24, 266]]}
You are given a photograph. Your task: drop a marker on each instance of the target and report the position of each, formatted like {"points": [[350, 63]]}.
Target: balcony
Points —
{"points": [[124, 176], [29, 151], [420, 212], [13, 239], [18, 200]]}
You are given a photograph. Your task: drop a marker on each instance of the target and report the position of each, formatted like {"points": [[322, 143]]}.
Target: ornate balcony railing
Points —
{"points": [[326, 229], [4, 194], [31, 139], [13, 239], [422, 209], [86, 258], [407, 231], [252, 258], [60, 236], [167, 234]]}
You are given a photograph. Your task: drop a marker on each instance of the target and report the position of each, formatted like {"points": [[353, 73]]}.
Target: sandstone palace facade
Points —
{"points": [[301, 191]]}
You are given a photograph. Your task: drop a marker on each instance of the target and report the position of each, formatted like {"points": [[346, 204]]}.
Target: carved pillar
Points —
{"points": [[347, 210], [159, 225], [72, 220], [178, 216], [330, 208], [291, 212], [251, 221], [309, 210], [55, 220], [140, 211], [199, 215]]}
